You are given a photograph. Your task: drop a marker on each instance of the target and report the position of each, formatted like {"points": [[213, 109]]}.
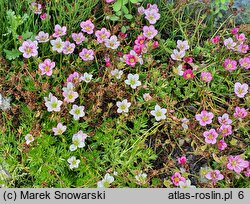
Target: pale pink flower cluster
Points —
{"points": [[238, 43], [151, 13], [179, 53]]}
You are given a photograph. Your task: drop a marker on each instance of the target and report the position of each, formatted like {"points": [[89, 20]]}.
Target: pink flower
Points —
{"points": [[221, 145], [68, 47], [87, 55], [147, 97], [74, 78], [214, 176], [78, 37], [155, 44], [29, 49], [141, 10], [229, 43], [243, 48], [152, 6], [36, 8], [110, 1], [59, 129], [241, 37], [225, 130], [130, 60], [206, 76], [87, 26], [123, 35], [188, 59], [182, 160], [240, 112], [152, 15], [178, 55], [176, 178], [102, 35], [42, 37], [230, 64], [45, 16], [247, 172], [182, 45], [46, 67], [204, 117], [245, 62], [234, 31], [149, 32], [237, 164], [59, 31], [240, 89], [140, 40], [224, 119], [188, 74], [210, 136], [216, 39], [138, 49]]}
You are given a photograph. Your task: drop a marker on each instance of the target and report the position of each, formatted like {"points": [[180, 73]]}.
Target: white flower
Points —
{"points": [[123, 106], [178, 55], [105, 183], [117, 73], [70, 96], [240, 89], [57, 44], [229, 43], [59, 129], [159, 113], [141, 177], [182, 45], [86, 77], [29, 138], [186, 184], [112, 43], [77, 112], [179, 70], [73, 162], [78, 140], [184, 124], [52, 103], [4, 103], [133, 80], [69, 87]]}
